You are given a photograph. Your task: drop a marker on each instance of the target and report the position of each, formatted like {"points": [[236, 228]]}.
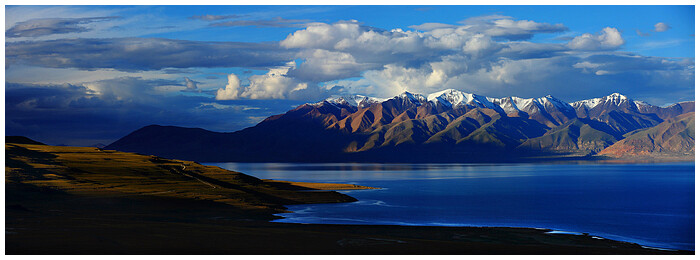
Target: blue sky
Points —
{"points": [[82, 75]]}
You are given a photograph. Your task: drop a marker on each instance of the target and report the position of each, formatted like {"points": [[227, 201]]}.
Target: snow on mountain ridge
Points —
{"points": [[354, 100], [415, 98], [640, 104], [549, 99], [455, 98], [615, 98]]}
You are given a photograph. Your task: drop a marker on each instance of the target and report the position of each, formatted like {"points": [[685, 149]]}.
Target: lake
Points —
{"points": [[649, 204]]}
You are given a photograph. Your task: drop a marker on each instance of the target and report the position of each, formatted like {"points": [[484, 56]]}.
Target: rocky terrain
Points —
{"points": [[445, 126]]}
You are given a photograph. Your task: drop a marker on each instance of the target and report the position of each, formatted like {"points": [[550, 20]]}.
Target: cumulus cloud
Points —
{"points": [[275, 84], [480, 45], [608, 38], [323, 36], [322, 65], [49, 26], [210, 17], [661, 27], [134, 54], [190, 84], [274, 22], [488, 55], [231, 91], [371, 48], [566, 77]]}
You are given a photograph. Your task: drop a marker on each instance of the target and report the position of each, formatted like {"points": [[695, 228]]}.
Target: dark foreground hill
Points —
{"points": [[448, 126], [82, 200]]}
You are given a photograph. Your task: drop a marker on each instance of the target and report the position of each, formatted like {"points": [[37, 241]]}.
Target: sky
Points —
{"points": [[83, 75]]}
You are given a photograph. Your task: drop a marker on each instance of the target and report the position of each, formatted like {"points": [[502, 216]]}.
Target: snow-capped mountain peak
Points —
{"points": [[614, 98], [550, 100], [359, 101], [415, 98], [454, 98]]}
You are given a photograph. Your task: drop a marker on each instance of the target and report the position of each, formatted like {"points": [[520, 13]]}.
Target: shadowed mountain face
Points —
{"points": [[448, 125]]}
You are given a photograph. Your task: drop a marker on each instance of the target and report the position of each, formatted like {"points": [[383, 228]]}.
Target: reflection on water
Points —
{"points": [[650, 204]]}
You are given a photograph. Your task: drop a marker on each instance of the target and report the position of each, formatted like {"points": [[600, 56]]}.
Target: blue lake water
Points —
{"points": [[649, 204]]}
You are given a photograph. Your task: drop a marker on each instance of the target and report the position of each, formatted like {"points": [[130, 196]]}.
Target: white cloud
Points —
{"points": [[486, 55], [323, 65], [661, 27], [190, 84], [275, 84], [480, 45], [231, 91], [321, 35], [372, 45], [608, 38]]}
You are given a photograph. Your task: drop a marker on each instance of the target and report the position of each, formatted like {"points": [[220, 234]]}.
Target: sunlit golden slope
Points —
{"points": [[95, 172]]}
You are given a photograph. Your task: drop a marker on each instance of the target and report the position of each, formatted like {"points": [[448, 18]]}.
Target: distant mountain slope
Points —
{"points": [[675, 136], [447, 125], [20, 140], [668, 111], [172, 142], [581, 136]]}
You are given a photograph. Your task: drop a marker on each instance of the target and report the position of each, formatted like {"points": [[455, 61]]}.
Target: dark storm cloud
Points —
{"points": [[76, 115], [49, 26], [138, 54]]}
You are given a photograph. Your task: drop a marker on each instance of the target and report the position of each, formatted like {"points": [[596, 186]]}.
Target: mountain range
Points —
{"points": [[446, 126]]}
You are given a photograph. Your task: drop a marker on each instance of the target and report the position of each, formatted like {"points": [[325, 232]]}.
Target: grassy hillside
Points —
{"points": [[85, 171]]}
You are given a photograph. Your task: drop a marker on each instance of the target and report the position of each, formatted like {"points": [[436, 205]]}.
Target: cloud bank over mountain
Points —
{"points": [[233, 58]]}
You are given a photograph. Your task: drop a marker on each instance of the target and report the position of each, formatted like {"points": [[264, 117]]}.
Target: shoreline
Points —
{"points": [[604, 236], [81, 200], [222, 236]]}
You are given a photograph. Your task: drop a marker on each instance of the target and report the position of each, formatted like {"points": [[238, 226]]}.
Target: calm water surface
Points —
{"points": [[649, 204]]}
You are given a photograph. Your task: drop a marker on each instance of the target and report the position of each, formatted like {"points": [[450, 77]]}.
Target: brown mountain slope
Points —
{"points": [[353, 129], [673, 137], [577, 136]]}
